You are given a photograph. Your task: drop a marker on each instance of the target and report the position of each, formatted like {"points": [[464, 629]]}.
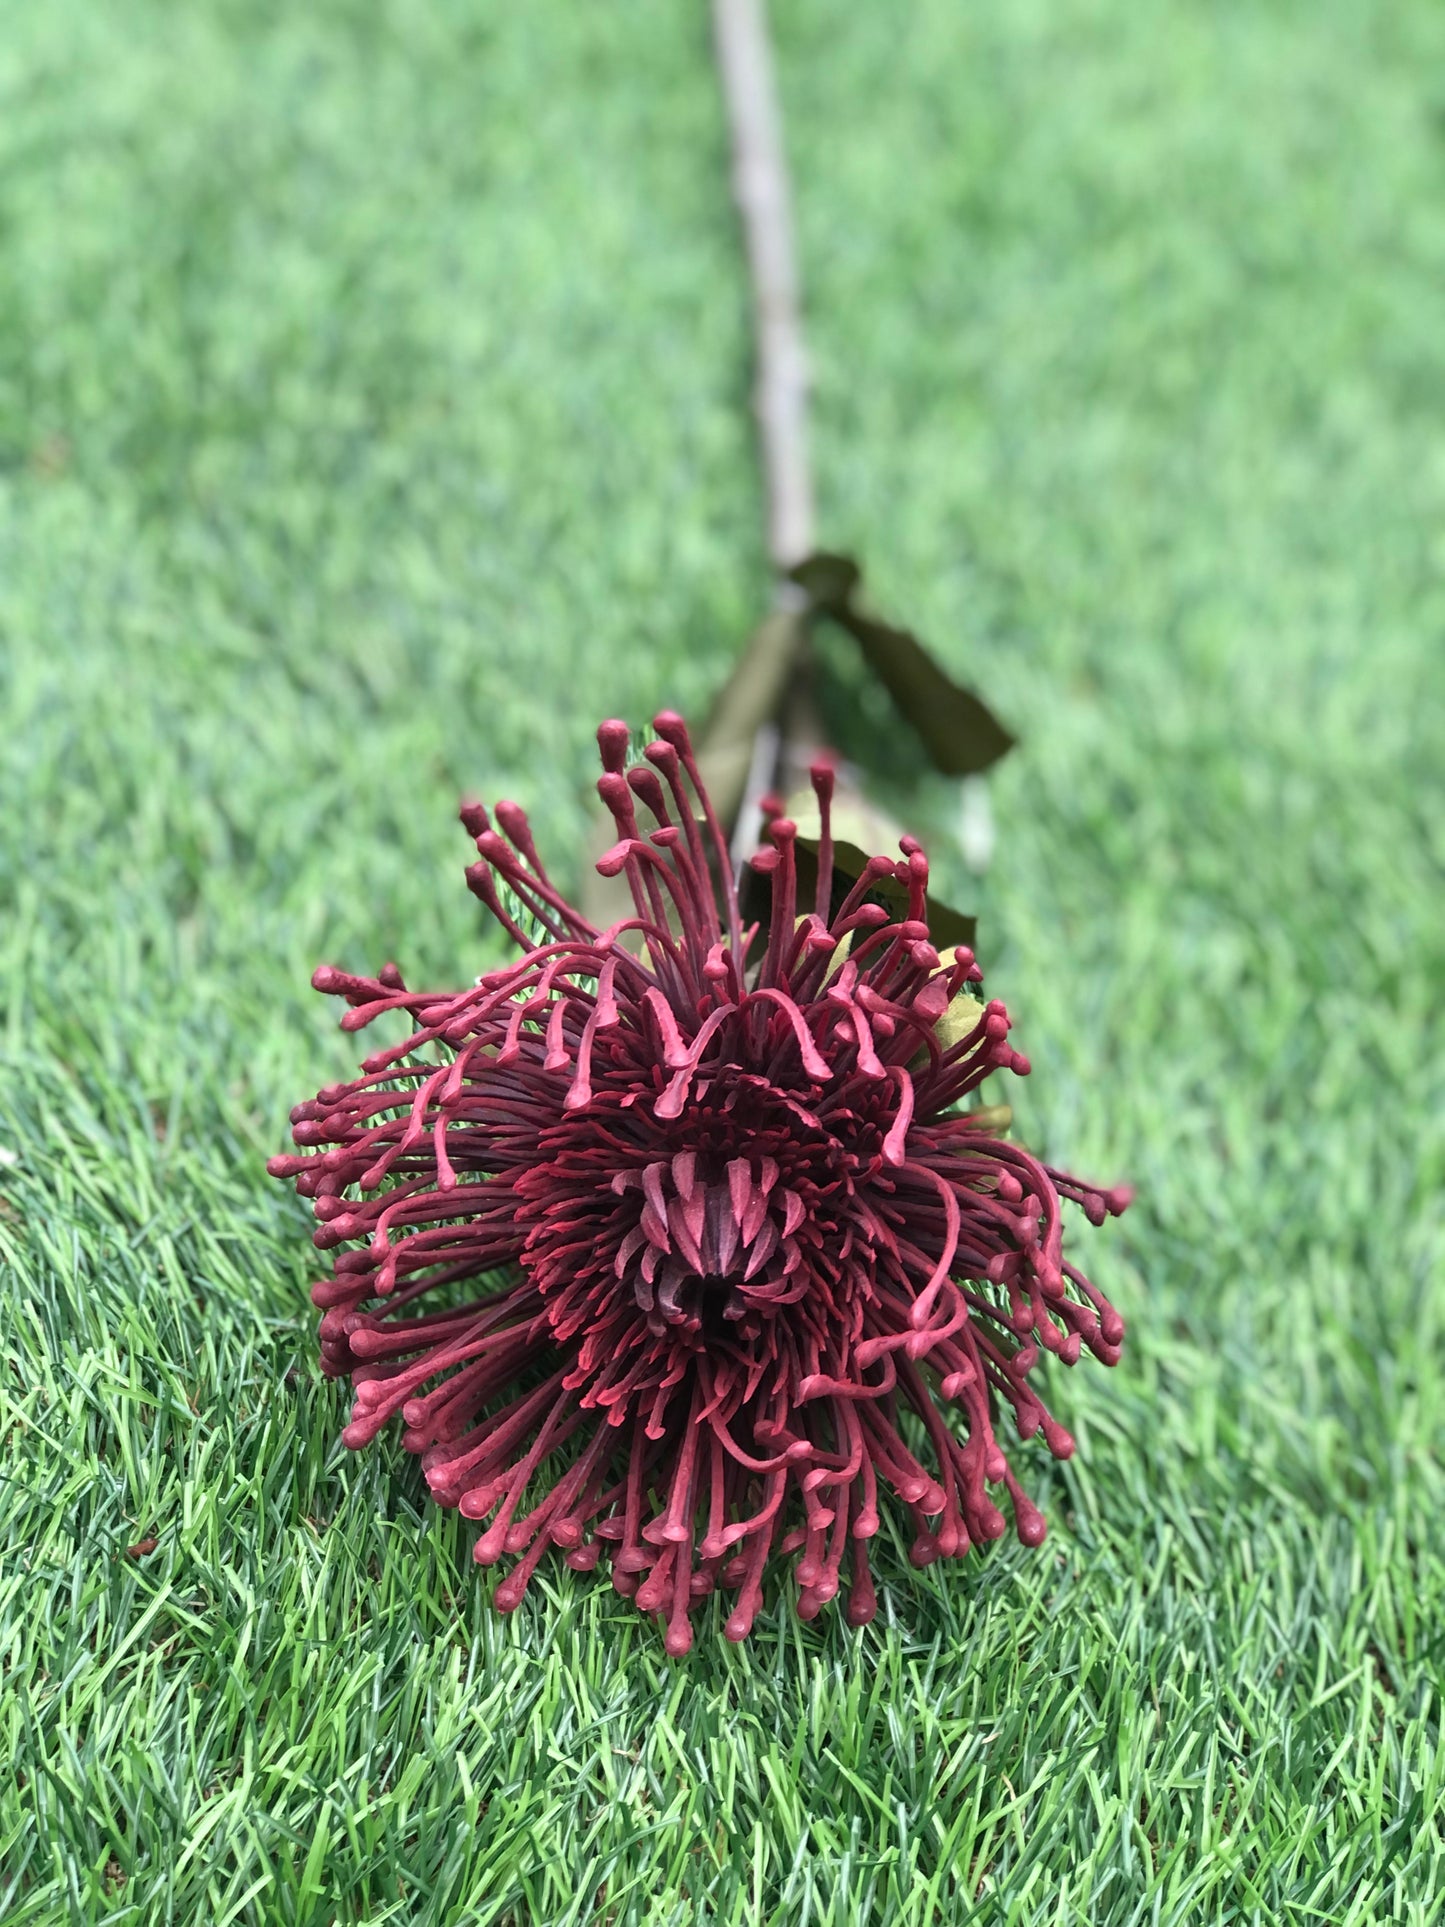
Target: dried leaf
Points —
{"points": [[751, 698]]}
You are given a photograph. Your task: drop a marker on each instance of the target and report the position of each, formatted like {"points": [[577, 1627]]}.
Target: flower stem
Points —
{"points": [[760, 188]]}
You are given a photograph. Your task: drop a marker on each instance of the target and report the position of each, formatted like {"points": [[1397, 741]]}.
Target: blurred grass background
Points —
{"points": [[372, 421]]}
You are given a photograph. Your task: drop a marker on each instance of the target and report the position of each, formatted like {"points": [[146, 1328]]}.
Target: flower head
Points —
{"points": [[740, 1257]]}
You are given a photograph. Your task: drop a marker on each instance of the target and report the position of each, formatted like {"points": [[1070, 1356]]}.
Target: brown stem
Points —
{"points": [[760, 188]]}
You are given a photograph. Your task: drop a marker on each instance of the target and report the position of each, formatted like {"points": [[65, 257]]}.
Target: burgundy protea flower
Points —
{"points": [[739, 1253]]}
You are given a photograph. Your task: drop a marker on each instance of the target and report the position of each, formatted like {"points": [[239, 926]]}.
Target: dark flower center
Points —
{"points": [[705, 1231]]}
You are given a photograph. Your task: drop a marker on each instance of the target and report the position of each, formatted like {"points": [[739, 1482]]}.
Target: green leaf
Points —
{"points": [[860, 830], [959, 731]]}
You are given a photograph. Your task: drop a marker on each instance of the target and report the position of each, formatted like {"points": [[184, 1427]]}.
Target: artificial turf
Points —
{"points": [[372, 421]]}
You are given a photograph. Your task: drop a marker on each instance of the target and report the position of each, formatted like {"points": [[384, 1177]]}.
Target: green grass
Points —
{"points": [[372, 421]]}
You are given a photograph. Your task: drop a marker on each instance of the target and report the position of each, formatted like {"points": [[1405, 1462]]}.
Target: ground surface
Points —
{"points": [[371, 422]]}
